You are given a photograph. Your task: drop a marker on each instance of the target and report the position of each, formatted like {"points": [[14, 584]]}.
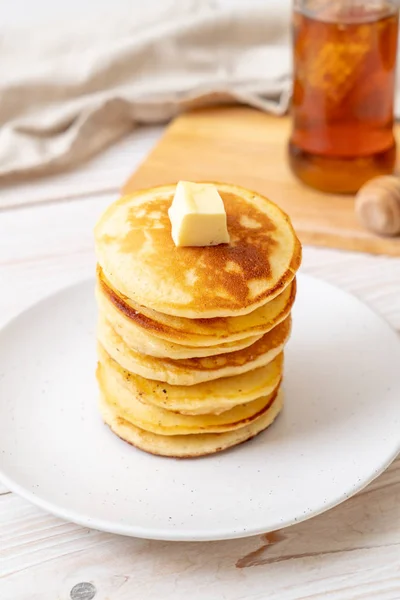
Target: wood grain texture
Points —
{"points": [[349, 553], [243, 146]]}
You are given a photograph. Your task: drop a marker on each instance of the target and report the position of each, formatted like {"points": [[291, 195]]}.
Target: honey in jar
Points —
{"points": [[342, 108]]}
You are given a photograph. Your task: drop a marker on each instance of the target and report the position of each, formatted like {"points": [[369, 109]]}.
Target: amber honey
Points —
{"points": [[344, 71]]}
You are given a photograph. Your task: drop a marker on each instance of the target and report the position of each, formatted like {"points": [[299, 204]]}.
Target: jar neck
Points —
{"points": [[347, 11]]}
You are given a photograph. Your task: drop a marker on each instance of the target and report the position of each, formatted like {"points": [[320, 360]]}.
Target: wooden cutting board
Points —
{"points": [[244, 146]]}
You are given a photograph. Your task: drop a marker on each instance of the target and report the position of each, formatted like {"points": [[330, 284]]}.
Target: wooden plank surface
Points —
{"points": [[244, 146], [349, 553]]}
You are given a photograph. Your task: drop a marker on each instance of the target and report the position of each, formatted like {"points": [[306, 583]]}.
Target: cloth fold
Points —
{"points": [[67, 93]]}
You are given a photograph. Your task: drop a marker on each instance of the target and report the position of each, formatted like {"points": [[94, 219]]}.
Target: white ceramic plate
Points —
{"points": [[339, 429]]}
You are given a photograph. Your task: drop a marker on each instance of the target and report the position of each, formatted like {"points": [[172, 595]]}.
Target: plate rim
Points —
{"points": [[189, 535]]}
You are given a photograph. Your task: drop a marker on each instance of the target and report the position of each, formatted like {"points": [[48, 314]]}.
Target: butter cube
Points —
{"points": [[197, 215]]}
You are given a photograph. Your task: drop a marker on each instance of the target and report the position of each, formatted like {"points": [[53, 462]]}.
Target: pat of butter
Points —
{"points": [[197, 215]]}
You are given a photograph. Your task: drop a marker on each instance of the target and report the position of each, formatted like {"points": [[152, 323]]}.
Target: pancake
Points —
{"points": [[139, 339], [193, 332], [164, 422], [204, 398], [139, 258], [186, 446], [194, 370]]}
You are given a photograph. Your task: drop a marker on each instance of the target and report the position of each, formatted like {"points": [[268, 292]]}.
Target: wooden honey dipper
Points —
{"points": [[378, 205]]}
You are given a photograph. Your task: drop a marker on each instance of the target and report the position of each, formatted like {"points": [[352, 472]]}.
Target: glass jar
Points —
{"points": [[344, 73]]}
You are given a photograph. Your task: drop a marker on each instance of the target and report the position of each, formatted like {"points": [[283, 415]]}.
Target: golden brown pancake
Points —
{"points": [[186, 446], [141, 340], [194, 370], [190, 339], [192, 332], [204, 398], [139, 258], [165, 422]]}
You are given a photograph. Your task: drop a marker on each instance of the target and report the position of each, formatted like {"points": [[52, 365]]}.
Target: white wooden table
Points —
{"points": [[350, 553]]}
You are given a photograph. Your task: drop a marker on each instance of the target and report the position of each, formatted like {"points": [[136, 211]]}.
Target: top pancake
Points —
{"points": [[138, 256]]}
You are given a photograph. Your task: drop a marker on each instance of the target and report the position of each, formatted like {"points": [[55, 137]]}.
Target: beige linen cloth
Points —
{"points": [[69, 91]]}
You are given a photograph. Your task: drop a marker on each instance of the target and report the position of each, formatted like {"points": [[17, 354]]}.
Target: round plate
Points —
{"points": [[339, 429]]}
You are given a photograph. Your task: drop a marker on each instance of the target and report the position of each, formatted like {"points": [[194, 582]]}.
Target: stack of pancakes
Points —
{"points": [[190, 340]]}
